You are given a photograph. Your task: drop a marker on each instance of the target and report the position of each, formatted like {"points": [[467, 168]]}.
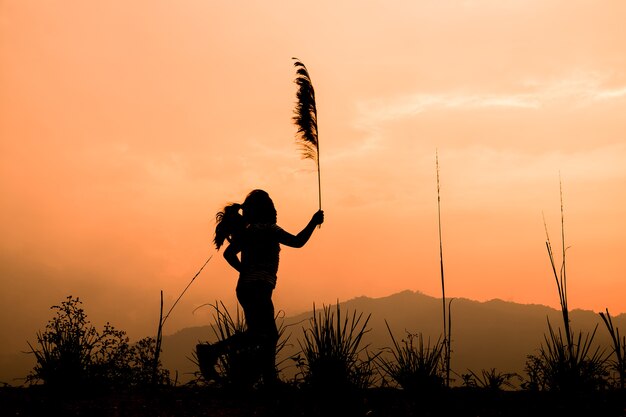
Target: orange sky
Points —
{"points": [[124, 127]]}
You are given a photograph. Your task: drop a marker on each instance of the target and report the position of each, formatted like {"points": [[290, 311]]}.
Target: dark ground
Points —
{"points": [[288, 401]]}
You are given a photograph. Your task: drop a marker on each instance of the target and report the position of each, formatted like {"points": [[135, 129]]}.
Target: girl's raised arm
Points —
{"points": [[301, 238]]}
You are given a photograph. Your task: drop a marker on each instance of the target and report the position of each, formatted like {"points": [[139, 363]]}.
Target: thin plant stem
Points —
{"points": [[185, 290], [162, 320], [159, 339], [560, 276], [563, 270], [319, 180], [319, 176], [449, 344], [446, 340]]}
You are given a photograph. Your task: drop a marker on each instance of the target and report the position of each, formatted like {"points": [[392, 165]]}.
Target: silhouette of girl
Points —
{"points": [[254, 241]]}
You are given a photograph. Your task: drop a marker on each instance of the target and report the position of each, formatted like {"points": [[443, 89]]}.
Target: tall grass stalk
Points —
{"points": [[447, 325], [560, 277]]}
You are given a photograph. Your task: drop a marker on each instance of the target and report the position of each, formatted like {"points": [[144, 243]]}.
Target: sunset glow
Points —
{"points": [[125, 126]]}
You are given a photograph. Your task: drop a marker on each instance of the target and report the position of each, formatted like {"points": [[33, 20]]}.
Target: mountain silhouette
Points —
{"points": [[492, 334]]}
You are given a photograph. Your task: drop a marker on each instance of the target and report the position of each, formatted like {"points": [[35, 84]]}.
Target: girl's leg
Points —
{"points": [[258, 308]]}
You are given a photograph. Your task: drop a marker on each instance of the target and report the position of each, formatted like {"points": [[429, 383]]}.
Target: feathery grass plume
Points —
{"points": [[305, 118]]}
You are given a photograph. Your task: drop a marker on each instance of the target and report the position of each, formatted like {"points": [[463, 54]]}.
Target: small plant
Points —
{"points": [[65, 346], [489, 379], [534, 369], [617, 365], [72, 352], [413, 365], [331, 356]]}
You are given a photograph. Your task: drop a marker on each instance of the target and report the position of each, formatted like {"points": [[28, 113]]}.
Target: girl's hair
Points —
{"points": [[258, 207], [229, 224]]}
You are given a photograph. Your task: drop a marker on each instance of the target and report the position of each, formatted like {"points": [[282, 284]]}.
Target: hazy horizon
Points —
{"points": [[125, 126]]}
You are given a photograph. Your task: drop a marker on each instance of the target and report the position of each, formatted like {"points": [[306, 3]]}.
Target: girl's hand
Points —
{"points": [[318, 218]]}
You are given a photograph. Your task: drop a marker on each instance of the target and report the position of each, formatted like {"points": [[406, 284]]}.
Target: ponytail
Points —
{"points": [[229, 223]]}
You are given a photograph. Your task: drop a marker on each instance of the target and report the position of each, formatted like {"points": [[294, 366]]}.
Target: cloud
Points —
{"points": [[609, 94], [580, 89], [384, 110], [507, 167]]}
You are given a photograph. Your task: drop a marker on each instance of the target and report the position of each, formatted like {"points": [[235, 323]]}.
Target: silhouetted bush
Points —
{"points": [[72, 352]]}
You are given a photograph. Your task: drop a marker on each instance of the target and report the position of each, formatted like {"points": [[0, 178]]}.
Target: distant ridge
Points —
{"points": [[491, 334]]}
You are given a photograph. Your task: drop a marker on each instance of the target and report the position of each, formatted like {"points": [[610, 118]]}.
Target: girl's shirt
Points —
{"points": [[260, 254]]}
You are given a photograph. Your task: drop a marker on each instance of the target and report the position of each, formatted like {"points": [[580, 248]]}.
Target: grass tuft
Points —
{"points": [[413, 365], [332, 356], [617, 365]]}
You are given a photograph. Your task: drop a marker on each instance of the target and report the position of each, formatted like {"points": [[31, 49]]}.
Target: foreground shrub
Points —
{"points": [[332, 358], [567, 367], [72, 352], [413, 365]]}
